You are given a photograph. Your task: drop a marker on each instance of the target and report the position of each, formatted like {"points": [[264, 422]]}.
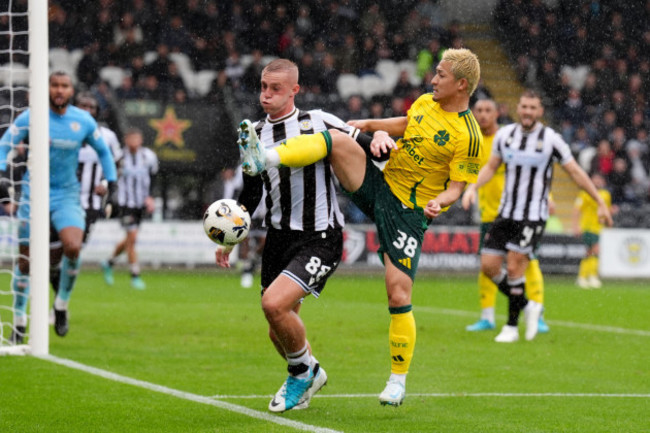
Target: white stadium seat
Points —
{"points": [[150, 57], [113, 75], [372, 85], [182, 61], [14, 74], [389, 71], [203, 81], [412, 70], [348, 85]]}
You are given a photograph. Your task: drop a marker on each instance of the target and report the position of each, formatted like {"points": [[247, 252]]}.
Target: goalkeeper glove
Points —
{"points": [[110, 204]]}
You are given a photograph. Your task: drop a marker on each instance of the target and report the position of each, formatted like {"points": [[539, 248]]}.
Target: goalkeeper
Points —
{"points": [[489, 198], [70, 127]]}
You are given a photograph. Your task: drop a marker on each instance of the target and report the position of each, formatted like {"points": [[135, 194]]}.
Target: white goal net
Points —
{"points": [[23, 85]]}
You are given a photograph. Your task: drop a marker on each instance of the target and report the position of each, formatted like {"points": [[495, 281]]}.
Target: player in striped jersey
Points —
{"points": [[136, 181], [585, 222], [439, 153], [304, 239], [528, 149], [489, 197]]}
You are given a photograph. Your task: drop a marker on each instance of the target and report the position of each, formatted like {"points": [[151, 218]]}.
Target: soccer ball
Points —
{"points": [[226, 222]]}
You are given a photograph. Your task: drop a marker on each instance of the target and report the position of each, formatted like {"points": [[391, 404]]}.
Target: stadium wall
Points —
{"points": [[445, 248]]}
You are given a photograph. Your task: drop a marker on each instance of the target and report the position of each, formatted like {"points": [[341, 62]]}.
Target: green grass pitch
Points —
{"points": [[194, 346]]}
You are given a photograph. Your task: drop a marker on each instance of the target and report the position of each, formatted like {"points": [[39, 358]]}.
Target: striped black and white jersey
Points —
{"points": [[134, 182], [529, 159], [302, 198], [90, 170]]}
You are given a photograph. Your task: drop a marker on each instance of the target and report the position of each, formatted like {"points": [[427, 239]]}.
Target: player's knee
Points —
{"points": [[399, 296], [72, 249], [273, 307], [23, 266]]}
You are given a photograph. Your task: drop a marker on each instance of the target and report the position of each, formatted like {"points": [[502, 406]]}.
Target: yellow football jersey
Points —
{"points": [[589, 210], [489, 195], [437, 146]]}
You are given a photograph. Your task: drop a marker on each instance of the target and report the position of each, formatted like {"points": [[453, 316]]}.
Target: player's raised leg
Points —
{"points": [[346, 156]]}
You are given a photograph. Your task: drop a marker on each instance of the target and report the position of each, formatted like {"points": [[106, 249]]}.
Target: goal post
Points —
{"points": [[39, 170], [38, 163]]}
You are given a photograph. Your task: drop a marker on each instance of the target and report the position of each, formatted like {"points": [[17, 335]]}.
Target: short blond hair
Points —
{"points": [[464, 64], [282, 65]]}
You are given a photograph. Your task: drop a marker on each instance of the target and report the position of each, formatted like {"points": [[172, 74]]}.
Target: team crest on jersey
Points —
{"points": [[96, 134], [441, 138], [540, 145], [75, 126], [306, 125]]}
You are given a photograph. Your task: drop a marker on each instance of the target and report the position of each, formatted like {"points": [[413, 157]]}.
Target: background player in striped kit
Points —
{"points": [[439, 153], [138, 170], [489, 197], [304, 239], [93, 185], [528, 149]]}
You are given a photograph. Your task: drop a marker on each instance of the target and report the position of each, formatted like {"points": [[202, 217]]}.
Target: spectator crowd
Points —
{"points": [[590, 58]]}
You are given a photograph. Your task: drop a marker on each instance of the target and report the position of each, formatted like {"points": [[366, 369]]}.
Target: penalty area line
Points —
{"points": [[187, 395]]}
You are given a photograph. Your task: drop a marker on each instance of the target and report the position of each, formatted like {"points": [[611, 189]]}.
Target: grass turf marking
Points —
{"points": [[187, 395]]}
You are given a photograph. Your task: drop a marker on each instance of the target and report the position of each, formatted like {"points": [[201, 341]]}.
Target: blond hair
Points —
{"points": [[464, 64], [282, 65]]}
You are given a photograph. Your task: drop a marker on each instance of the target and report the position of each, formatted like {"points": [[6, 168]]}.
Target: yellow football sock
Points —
{"points": [[304, 150], [583, 271], [534, 282], [401, 338], [487, 291], [593, 266]]}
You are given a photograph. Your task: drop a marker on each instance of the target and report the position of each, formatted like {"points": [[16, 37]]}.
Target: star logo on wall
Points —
{"points": [[170, 128]]}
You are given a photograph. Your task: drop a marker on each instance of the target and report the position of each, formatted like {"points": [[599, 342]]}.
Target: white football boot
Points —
{"points": [[508, 334], [532, 312], [393, 394]]}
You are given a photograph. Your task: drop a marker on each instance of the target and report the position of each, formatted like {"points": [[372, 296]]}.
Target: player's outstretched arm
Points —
{"points": [[582, 180], [394, 126]]}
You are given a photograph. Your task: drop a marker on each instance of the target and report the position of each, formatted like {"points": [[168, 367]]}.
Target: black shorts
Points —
{"points": [[510, 235], [130, 217], [308, 258], [92, 215]]}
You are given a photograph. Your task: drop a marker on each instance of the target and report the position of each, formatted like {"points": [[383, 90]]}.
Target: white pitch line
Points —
{"points": [[587, 326], [456, 394], [188, 396]]}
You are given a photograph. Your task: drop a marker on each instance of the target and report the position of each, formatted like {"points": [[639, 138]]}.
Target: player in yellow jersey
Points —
{"points": [[440, 151], [489, 198], [585, 222]]}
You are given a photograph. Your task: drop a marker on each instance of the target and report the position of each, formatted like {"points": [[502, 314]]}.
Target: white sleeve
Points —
{"points": [[152, 160], [333, 122], [561, 150], [113, 143]]}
